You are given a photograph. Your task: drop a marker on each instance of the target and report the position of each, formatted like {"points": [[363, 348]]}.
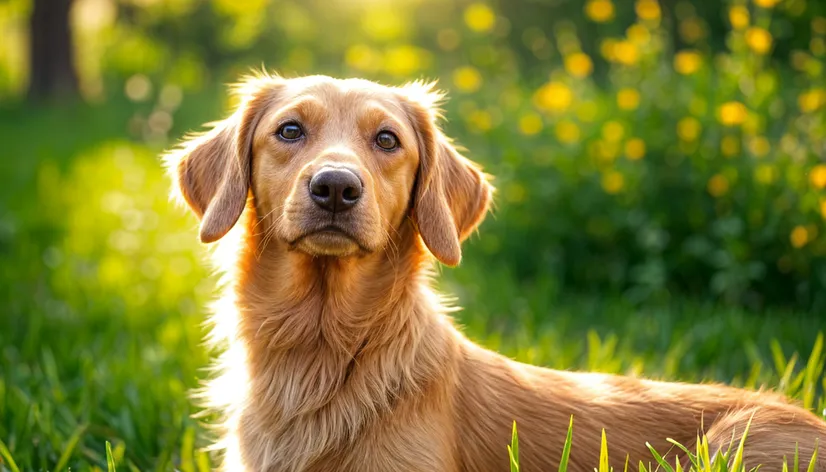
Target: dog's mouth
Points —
{"points": [[329, 240]]}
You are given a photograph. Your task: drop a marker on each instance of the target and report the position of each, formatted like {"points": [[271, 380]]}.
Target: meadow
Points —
{"points": [[660, 209]]}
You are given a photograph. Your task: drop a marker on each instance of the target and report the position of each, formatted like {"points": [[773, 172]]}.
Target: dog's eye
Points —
{"points": [[387, 141], [290, 132]]}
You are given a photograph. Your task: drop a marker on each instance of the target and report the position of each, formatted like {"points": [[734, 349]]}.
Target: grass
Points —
{"points": [[103, 288], [701, 459]]}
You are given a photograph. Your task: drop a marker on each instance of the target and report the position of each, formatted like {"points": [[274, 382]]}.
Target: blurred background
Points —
{"points": [[661, 167]]}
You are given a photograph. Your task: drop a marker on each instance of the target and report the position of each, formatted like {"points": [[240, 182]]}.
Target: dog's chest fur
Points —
{"points": [[316, 411], [327, 390]]}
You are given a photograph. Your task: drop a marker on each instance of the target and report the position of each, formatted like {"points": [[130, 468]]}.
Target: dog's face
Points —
{"points": [[335, 167]]}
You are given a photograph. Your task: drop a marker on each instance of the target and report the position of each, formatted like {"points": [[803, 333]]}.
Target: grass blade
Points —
{"points": [[813, 461], [513, 450], [691, 457], [187, 451], [738, 456], [110, 459], [6, 455], [603, 454], [657, 457], [566, 451], [514, 463], [69, 448], [796, 458]]}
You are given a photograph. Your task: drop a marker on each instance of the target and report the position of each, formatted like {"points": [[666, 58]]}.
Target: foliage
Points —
{"points": [[672, 147], [101, 339], [701, 459], [668, 156]]}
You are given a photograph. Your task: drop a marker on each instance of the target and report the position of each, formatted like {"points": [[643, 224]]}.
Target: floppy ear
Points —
{"points": [[213, 169], [452, 194]]}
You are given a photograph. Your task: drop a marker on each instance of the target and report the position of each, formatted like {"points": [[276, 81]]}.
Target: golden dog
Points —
{"points": [[339, 355]]}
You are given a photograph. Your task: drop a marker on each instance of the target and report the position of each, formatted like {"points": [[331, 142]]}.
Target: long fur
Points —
{"points": [[354, 363]]}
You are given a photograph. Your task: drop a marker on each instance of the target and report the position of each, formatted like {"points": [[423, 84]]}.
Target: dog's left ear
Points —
{"points": [[452, 194]]}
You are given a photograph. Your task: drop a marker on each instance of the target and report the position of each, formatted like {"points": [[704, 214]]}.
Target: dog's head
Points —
{"points": [[334, 167]]}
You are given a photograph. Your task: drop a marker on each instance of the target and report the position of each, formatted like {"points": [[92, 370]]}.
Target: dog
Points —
{"points": [[332, 200]]}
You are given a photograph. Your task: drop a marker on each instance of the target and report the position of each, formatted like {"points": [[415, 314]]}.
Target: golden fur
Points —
{"points": [[339, 355]]}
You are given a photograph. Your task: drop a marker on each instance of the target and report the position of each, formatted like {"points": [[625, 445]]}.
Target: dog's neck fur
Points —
{"points": [[324, 348]]}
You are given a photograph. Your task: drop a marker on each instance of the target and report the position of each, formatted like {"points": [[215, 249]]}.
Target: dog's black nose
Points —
{"points": [[335, 190]]}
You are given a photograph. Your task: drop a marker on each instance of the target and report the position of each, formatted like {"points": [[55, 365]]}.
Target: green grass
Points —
{"points": [[701, 459], [103, 288]]}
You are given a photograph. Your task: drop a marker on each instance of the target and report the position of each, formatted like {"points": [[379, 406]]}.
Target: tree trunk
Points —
{"points": [[51, 54]]}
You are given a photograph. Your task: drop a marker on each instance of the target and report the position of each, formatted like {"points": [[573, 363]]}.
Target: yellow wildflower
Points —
{"points": [[567, 132], [467, 79], [612, 182], [579, 65], [687, 62], [799, 236], [738, 15], [628, 99], [732, 113], [766, 3], [718, 185], [479, 17], [554, 96], [635, 149], [688, 128], [648, 9], [811, 100], [759, 39], [530, 124], [765, 174], [613, 131], [638, 33], [604, 151], [599, 11], [606, 48], [363, 57], [481, 120], [403, 60], [626, 52], [817, 176]]}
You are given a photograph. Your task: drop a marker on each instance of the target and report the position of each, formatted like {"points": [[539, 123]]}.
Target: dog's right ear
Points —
{"points": [[212, 169]]}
